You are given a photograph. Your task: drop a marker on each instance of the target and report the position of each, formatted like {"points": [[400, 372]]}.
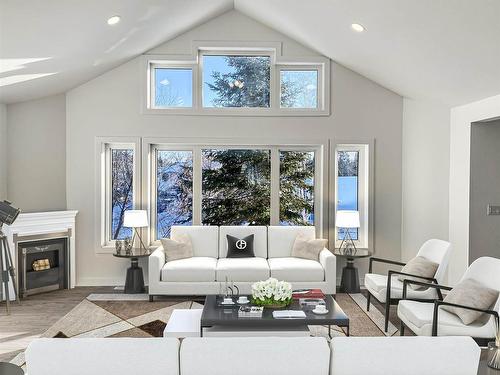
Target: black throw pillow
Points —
{"points": [[240, 247]]}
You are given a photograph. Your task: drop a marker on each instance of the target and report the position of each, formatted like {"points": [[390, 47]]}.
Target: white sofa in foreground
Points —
{"points": [[203, 273], [249, 356]]}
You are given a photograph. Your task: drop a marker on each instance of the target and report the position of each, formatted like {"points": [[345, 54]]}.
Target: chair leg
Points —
{"points": [[387, 311], [402, 329], [368, 301]]}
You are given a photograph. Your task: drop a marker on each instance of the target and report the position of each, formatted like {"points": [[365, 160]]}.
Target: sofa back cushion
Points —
{"points": [[404, 355], [282, 238], [204, 238], [110, 356], [240, 231], [254, 355]]}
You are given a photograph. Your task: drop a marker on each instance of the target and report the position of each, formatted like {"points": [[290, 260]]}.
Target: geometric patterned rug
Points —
{"points": [[120, 315]]}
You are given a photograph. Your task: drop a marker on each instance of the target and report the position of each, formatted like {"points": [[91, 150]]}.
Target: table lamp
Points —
{"points": [[136, 219], [347, 220]]}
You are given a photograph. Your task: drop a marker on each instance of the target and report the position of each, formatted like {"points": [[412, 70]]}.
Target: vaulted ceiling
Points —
{"points": [[442, 50]]}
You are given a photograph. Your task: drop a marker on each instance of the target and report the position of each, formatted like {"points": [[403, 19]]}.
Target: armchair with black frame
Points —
{"points": [[388, 289], [427, 319]]}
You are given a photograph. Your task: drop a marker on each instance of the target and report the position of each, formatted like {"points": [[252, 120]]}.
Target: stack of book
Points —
{"points": [[308, 293], [311, 302], [250, 312]]}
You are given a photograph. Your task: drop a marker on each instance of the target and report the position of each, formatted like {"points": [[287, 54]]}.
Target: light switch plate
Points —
{"points": [[493, 210]]}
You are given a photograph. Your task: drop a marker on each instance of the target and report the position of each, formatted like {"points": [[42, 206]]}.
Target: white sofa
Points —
{"points": [[247, 356], [203, 273]]}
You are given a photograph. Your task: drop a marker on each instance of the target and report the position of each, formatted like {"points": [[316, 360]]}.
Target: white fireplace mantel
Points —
{"points": [[45, 224]]}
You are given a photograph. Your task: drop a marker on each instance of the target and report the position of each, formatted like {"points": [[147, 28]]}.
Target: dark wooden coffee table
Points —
{"points": [[214, 315]]}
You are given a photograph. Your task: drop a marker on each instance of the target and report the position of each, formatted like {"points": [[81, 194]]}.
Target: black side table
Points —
{"points": [[134, 282], [350, 278]]}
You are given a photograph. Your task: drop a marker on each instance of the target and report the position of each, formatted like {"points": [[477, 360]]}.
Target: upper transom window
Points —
{"points": [[234, 81]]}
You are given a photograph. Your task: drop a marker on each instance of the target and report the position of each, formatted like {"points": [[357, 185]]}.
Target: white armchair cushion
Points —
{"points": [[377, 286], [404, 356], [296, 269], [242, 269], [190, 269], [282, 238], [204, 238], [418, 317], [259, 239]]}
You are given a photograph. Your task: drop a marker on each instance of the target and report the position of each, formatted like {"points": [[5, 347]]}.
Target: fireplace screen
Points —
{"points": [[42, 266]]}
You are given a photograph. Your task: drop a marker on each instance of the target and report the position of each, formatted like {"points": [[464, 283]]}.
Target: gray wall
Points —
{"points": [[426, 163], [109, 106], [484, 232], [3, 151], [36, 176]]}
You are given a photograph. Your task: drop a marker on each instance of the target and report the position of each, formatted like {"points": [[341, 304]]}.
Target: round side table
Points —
{"points": [[350, 278], [134, 282]]}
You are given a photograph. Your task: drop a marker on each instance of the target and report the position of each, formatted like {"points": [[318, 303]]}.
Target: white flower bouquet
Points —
{"points": [[271, 293]]}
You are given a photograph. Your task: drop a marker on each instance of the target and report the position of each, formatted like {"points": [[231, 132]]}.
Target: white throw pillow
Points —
{"points": [[180, 248], [307, 248], [419, 266], [473, 294]]}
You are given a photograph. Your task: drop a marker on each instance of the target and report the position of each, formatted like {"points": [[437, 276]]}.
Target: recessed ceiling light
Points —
{"points": [[358, 27], [113, 20]]}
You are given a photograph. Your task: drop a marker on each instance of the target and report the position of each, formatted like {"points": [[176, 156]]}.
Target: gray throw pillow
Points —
{"points": [[419, 266], [470, 293], [307, 248], [180, 248]]}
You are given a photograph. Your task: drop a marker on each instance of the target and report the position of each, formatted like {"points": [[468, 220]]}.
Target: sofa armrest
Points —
{"points": [[156, 262], [329, 263]]}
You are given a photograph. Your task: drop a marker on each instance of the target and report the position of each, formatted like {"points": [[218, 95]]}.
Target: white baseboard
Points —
{"points": [[99, 281]]}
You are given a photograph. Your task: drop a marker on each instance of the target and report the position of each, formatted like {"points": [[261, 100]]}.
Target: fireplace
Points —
{"points": [[42, 266]]}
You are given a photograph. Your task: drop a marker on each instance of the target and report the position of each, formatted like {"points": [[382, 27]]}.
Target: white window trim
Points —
{"points": [[104, 145], [149, 174], [364, 182], [194, 61]]}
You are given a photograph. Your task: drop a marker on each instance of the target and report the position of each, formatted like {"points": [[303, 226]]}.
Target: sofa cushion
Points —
{"points": [[296, 269], [307, 248], [242, 269], [254, 355], [204, 238], [241, 231], [282, 238], [110, 356], [190, 269], [181, 248], [240, 247]]}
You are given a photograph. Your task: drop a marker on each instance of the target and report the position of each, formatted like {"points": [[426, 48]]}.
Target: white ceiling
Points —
{"points": [[442, 50]]}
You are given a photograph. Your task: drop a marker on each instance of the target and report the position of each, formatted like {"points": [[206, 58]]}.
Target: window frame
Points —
{"points": [[149, 175], [320, 86], [364, 184], [152, 84], [104, 185], [195, 62]]}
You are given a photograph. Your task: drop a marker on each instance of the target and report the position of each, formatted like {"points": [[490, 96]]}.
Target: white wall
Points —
{"points": [[36, 176], [460, 135], [426, 134], [3, 151], [109, 106]]}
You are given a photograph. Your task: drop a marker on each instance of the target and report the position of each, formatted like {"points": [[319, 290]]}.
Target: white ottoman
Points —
{"points": [[183, 323]]}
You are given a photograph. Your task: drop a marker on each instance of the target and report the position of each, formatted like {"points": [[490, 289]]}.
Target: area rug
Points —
{"points": [[120, 315]]}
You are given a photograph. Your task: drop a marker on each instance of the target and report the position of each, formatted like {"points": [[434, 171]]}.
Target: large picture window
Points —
{"points": [[297, 187], [236, 81], [174, 190], [218, 184]]}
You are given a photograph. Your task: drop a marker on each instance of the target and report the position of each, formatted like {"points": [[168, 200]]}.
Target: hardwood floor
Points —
{"points": [[35, 314]]}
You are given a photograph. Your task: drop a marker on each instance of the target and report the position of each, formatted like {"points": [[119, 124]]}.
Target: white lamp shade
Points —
{"points": [[135, 219], [347, 219]]}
